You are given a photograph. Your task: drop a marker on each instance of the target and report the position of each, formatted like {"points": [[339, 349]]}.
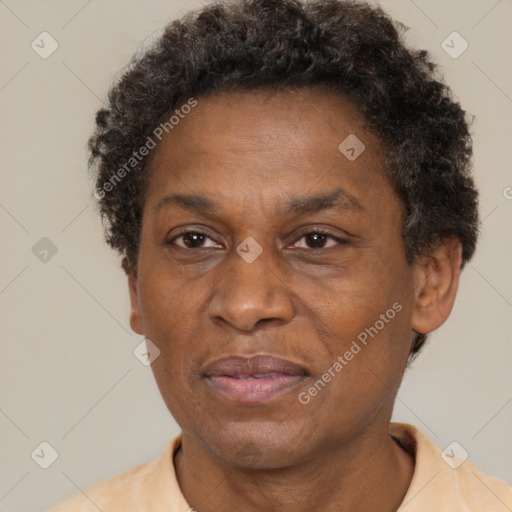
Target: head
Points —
{"points": [[288, 179]]}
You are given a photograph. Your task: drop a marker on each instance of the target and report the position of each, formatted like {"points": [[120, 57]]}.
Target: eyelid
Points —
{"points": [[342, 237], [321, 231], [187, 230]]}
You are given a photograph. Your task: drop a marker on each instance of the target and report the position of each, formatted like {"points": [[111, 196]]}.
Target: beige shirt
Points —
{"points": [[435, 487]]}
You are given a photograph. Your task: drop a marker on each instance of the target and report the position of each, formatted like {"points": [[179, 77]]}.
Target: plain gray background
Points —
{"points": [[68, 373]]}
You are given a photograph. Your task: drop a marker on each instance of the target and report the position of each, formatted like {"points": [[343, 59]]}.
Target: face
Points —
{"points": [[272, 277]]}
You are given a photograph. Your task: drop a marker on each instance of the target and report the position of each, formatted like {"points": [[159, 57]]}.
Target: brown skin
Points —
{"points": [[251, 152]]}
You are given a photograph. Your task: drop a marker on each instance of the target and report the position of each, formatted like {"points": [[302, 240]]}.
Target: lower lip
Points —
{"points": [[253, 391]]}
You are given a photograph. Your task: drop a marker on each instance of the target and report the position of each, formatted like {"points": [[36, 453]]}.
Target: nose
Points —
{"points": [[250, 294]]}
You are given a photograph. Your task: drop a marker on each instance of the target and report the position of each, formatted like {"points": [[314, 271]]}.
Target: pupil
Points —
{"points": [[191, 239], [317, 237]]}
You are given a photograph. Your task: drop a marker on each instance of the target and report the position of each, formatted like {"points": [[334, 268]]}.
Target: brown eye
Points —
{"points": [[191, 240], [318, 240]]}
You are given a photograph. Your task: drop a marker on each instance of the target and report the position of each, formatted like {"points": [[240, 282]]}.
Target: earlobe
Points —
{"points": [[436, 279], [135, 316]]}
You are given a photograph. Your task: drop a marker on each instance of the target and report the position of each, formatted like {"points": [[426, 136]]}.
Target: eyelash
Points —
{"points": [[318, 231]]}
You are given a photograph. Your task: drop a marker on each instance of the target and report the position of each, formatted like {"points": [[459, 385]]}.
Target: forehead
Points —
{"points": [[268, 120], [268, 145]]}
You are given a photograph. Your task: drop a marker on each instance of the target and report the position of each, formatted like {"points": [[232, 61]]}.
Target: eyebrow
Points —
{"points": [[312, 204], [300, 205]]}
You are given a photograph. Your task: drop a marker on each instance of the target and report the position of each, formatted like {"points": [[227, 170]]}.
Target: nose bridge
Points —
{"points": [[251, 290]]}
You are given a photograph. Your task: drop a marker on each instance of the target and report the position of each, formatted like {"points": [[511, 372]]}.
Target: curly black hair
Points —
{"points": [[350, 47]]}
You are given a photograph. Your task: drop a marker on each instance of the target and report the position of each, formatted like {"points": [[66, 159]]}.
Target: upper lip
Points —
{"points": [[236, 366]]}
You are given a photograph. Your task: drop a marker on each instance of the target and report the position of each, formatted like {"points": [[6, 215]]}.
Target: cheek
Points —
{"points": [[166, 314], [348, 306], [364, 371], [165, 300], [366, 323]]}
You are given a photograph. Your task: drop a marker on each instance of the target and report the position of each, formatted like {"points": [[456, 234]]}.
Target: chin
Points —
{"points": [[259, 446]]}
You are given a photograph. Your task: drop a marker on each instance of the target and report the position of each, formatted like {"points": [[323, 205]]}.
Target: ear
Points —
{"points": [[436, 279], [135, 316]]}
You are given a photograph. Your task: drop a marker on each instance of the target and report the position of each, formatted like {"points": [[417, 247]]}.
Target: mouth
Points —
{"points": [[255, 379]]}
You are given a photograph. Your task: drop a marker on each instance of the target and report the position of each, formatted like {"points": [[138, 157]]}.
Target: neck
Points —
{"points": [[371, 473]]}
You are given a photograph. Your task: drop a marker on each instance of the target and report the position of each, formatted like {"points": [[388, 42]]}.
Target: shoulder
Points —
{"points": [[149, 487], [124, 486], [446, 479]]}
